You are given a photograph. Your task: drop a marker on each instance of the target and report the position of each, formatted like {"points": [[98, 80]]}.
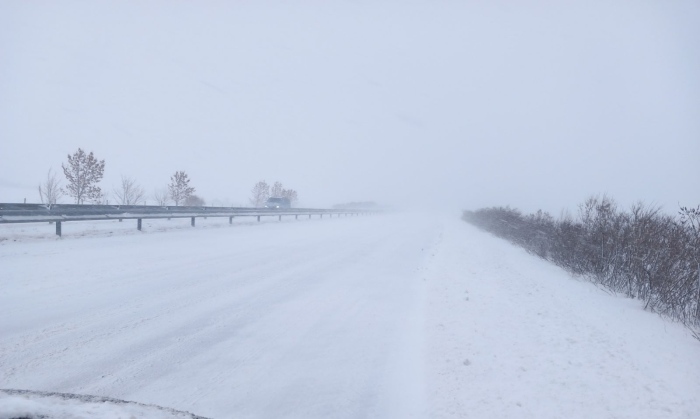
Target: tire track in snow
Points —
{"points": [[112, 325], [313, 316]]}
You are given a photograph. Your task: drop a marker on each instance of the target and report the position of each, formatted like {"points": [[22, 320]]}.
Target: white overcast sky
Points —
{"points": [[454, 104]]}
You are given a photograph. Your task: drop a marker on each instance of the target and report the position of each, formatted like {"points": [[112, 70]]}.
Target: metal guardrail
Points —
{"points": [[33, 213]]}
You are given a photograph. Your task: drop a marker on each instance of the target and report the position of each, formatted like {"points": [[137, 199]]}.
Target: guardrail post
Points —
{"points": [[192, 222], [138, 224], [258, 218], [321, 216], [280, 218], [309, 216], [296, 216], [230, 220], [58, 228]]}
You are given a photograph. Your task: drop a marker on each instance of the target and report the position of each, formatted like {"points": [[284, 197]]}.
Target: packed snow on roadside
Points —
{"points": [[394, 315], [79, 229], [26, 404]]}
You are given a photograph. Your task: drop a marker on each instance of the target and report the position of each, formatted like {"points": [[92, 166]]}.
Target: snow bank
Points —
{"points": [[512, 336]]}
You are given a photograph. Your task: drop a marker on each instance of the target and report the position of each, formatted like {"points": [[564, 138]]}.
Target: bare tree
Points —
{"points": [[161, 196], [290, 194], [194, 201], [50, 190], [83, 173], [259, 194], [129, 192], [179, 187], [276, 190]]}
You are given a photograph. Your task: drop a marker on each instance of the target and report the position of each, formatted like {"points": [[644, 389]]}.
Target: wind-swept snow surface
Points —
{"points": [[307, 319], [390, 316], [511, 336]]}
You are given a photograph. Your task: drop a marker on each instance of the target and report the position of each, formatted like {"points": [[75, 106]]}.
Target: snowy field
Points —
{"points": [[386, 316]]}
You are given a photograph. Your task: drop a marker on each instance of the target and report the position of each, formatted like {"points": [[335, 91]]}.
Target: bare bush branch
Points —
{"points": [[50, 190], [129, 192], [161, 196], [642, 252]]}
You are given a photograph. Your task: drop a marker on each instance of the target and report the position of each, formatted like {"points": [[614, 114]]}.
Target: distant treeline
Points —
{"points": [[642, 253]]}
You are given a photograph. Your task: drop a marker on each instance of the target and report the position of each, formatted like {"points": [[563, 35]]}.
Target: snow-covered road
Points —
{"points": [[391, 316]]}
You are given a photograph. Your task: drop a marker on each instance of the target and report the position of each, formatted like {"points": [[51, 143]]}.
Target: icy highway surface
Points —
{"points": [[387, 316]]}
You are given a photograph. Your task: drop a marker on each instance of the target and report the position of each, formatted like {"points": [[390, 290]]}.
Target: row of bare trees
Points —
{"points": [[642, 252], [83, 173], [262, 191]]}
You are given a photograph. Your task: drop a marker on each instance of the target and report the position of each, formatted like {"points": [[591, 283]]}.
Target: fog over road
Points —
{"points": [[395, 315]]}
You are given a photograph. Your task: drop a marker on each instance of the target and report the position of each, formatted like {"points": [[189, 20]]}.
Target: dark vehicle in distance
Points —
{"points": [[278, 203]]}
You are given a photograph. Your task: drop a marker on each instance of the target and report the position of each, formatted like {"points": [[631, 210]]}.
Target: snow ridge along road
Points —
{"points": [[392, 316]]}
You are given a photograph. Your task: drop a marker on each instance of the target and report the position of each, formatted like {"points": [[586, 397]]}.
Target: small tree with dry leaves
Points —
{"points": [[179, 187], [83, 173], [259, 194], [276, 191]]}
